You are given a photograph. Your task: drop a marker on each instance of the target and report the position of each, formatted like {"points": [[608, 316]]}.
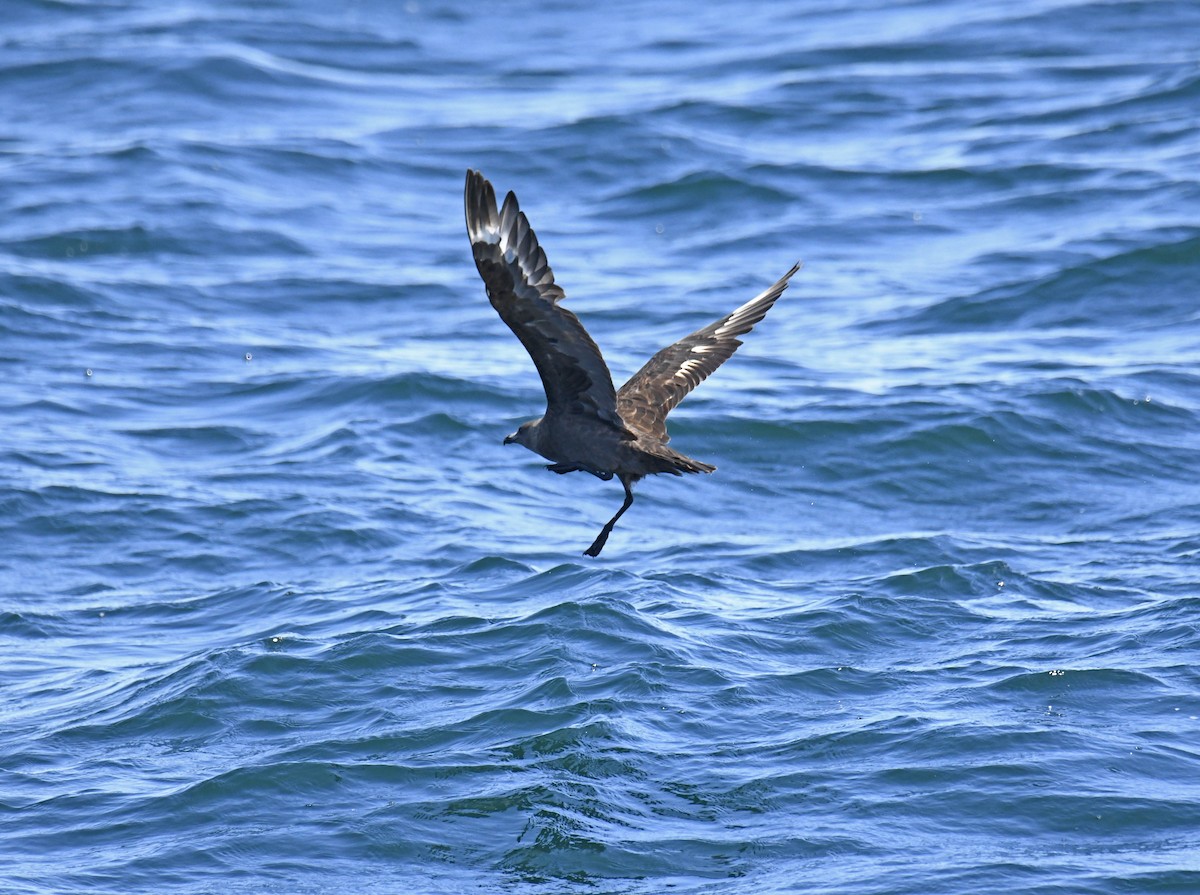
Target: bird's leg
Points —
{"points": [[602, 538], [564, 468]]}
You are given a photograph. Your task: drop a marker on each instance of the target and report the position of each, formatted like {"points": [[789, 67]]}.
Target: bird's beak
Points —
{"points": [[509, 439]]}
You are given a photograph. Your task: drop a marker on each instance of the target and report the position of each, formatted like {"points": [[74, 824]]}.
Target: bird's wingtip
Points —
{"points": [[475, 178]]}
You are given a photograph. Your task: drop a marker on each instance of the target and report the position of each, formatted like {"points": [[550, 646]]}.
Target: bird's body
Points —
{"points": [[589, 426]]}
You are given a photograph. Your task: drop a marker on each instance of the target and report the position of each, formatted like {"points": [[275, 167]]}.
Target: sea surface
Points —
{"points": [[279, 613]]}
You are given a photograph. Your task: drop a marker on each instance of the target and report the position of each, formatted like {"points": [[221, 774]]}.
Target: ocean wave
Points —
{"points": [[1142, 287]]}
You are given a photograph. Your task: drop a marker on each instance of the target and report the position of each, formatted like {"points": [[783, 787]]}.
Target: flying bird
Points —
{"points": [[590, 426]]}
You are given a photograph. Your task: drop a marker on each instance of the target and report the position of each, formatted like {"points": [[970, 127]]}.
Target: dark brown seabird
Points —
{"points": [[589, 426]]}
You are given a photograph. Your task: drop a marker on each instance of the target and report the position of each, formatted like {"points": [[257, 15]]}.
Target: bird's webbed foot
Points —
{"points": [[598, 544], [563, 468]]}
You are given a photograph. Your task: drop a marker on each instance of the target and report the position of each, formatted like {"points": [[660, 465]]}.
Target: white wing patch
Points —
{"points": [[686, 368], [735, 320]]}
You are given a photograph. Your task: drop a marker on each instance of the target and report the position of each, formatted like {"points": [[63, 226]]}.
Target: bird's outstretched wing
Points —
{"points": [[521, 287], [665, 380]]}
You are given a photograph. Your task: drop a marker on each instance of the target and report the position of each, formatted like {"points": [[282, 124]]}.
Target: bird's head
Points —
{"points": [[524, 435]]}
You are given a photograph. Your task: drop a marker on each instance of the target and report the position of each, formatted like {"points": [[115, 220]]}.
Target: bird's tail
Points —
{"points": [[690, 465], [677, 464]]}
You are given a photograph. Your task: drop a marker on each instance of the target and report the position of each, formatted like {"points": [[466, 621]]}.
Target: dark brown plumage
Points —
{"points": [[588, 425]]}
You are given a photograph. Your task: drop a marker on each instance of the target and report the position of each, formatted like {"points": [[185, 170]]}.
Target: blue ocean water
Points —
{"points": [[278, 611]]}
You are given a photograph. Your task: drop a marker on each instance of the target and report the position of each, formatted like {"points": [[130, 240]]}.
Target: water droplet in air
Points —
{"points": [[87, 372], [658, 228], [249, 357]]}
